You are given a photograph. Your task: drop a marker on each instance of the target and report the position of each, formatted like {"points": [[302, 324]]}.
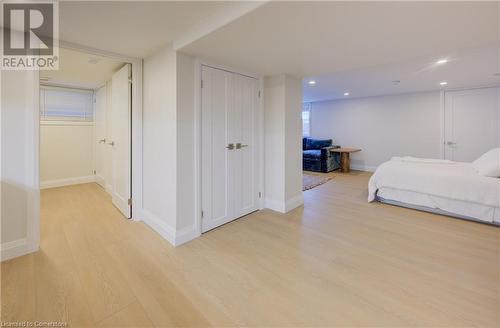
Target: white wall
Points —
{"points": [[66, 153], [186, 150], [160, 142], [20, 197], [282, 131], [382, 127]]}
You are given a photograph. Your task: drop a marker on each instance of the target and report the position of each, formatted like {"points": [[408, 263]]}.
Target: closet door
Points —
{"points": [[471, 123], [245, 126], [100, 135], [216, 155], [121, 118], [229, 146]]}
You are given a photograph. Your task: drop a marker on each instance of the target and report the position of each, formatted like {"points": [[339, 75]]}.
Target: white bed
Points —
{"points": [[444, 187]]}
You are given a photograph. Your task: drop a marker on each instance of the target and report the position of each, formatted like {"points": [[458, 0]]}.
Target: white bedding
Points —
{"points": [[449, 180]]}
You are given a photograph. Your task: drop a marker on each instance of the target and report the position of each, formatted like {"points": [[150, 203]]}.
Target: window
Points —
{"points": [[64, 104], [306, 119]]}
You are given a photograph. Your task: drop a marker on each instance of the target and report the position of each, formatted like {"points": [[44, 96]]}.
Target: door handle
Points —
{"points": [[230, 146], [102, 141], [451, 143], [112, 143], [240, 145]]}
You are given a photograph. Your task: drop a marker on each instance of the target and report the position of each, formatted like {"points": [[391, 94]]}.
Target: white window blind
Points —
{"points": [[306, 119], [65, 104]]}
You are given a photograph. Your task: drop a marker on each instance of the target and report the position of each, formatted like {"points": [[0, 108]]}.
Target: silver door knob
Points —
{"points": [[451, 143], [102, 141], [240, 145], [230, 146], [112, 143]]}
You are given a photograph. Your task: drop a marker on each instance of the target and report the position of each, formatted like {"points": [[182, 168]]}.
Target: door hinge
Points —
{"points": [[202, 84], [202, 214], [260, 194], [129, 202], [259, 93], [95, 172]]}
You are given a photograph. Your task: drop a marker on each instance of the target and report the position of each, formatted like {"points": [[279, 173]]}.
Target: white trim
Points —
{"points": [[33, 204], [366, 168], [16, 248], [66, 123], [287, 206], [199, 62], [294, 202], [67, 182], [159, 226], [187, 234]]}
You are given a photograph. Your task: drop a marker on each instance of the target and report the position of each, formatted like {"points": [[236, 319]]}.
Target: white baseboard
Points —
{"points": [[175, 238], [16, 248], [274, 205], [185, 235], [66, 182], [284, 207], [159, 226], [294, 202], [365, 168]]}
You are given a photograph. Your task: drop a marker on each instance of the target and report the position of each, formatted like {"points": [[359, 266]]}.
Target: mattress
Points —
{"points": [[440, 205]]}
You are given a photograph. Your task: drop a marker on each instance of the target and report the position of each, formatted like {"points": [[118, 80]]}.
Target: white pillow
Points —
{"points": [[488, 164]]}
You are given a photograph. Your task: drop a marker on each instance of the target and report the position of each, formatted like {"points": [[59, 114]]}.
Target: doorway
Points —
{"points": [[86, 125], [471, 123]]}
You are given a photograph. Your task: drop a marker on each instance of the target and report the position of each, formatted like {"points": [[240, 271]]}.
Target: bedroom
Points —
{"points": [[221, 233], [443, 108]]}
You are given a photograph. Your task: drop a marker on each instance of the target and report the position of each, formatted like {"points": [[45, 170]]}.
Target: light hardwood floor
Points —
{"points": [[337, 261]]}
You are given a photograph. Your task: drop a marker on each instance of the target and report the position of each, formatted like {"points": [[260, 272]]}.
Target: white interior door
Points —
{"points": [[100, 136], [120, 141], [229, 146], [472, 123]]}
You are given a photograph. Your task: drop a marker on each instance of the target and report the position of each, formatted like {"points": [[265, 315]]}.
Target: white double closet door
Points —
{"points": [[230, 146]]}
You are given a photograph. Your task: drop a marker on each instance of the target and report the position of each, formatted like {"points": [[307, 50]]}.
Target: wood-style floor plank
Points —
{"points": [[337, 261]]}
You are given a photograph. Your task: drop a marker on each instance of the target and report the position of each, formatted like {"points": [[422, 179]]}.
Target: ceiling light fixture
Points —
{"points": [[442, 61], [312, 82], [443, 83], [346, 93]]}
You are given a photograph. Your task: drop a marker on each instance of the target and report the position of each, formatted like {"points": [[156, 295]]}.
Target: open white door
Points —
{"points": [[121, 139], [100, 136]]}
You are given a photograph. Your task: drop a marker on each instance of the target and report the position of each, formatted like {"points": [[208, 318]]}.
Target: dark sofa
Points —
{"points": [[316, 155]]}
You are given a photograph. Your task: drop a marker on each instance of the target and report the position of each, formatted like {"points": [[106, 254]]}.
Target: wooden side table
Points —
{"points": [[345, 160]]}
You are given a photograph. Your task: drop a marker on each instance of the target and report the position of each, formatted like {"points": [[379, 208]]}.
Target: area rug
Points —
{"points": [[310, 181]]}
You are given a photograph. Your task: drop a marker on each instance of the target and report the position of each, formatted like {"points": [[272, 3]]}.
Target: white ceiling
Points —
{"points": [[467, 68], [313, 38], [76, 70], [138, 28]]}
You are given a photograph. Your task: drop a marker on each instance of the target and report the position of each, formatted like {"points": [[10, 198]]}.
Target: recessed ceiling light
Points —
{"points": [[346, 93], [442, 61], [443, 83], [312, 82]]}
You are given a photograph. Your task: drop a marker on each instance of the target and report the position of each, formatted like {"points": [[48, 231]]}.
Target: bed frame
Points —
{"points": [[433, 210]]}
